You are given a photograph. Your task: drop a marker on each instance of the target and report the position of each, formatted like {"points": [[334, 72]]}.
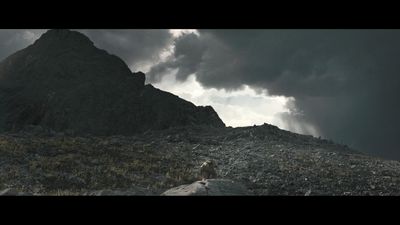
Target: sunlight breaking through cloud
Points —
{"points": [[244, 107]]}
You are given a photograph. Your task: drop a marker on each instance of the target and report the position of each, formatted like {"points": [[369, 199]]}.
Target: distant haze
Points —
{"points": [[339, 84]]}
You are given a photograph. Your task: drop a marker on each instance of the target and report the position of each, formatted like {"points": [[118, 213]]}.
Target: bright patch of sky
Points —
{"points": [[244, 107], [179, 32]]}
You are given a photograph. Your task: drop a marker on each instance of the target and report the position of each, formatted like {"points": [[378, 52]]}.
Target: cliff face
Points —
{"points": [[64, 82]]}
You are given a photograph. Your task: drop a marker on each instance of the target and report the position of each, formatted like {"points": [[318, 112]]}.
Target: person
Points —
{"points": [[208, 170]]}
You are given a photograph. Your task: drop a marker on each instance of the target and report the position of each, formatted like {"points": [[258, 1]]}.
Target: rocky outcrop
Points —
{"points": [[64, 82], [213, 187]]}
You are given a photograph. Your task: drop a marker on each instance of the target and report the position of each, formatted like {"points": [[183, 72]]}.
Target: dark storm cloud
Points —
{"points": [[290, 62], [345, 82], [133, 46], [187, 56]]}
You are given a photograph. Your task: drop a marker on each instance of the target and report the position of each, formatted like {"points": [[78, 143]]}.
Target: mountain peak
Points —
{"points": [[64, 36], [64, 82]]}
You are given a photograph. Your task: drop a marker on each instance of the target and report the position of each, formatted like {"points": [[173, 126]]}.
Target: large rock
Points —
{"points": [[214, 187], [64, 82]]}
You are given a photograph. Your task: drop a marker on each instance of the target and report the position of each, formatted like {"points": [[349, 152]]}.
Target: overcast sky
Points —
{"points": [[338, 84]]}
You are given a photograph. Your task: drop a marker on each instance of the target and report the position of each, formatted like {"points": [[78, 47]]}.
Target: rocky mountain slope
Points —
{"points": [[265, 159], [64, 82]]}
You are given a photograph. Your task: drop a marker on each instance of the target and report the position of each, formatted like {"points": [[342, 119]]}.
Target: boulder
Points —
{"points": [[212, 187]]}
